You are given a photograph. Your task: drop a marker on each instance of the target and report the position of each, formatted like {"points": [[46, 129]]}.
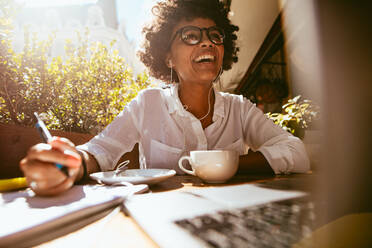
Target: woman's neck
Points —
{"points": [[198, 99]]}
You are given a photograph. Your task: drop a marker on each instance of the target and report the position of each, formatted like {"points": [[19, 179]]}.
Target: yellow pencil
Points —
{"points": [[12, 184]]}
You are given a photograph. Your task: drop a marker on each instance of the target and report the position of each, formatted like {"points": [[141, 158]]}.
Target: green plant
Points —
{"points": [[82, 92], [297, 115]]}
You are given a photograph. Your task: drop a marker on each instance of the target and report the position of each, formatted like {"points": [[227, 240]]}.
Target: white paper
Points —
{"points": [[23, 214], [156, 213]]}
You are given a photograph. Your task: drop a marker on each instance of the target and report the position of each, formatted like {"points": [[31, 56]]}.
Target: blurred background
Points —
{"points": [[107, 20]]}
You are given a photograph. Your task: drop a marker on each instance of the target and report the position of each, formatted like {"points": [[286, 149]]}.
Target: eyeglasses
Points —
{"points": [[192, 35]]}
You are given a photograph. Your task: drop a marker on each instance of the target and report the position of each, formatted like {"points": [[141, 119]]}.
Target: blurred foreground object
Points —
{"points": [[337, 57]]}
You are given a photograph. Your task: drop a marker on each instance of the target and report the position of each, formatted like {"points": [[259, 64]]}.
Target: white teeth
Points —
{"points": [[204, 57]]}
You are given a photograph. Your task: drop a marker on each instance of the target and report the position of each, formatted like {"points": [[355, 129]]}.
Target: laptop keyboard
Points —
{"points": [[274, 224]]}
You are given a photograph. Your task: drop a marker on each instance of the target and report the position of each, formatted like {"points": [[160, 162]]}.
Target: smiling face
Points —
{"points": [[198, 63]]}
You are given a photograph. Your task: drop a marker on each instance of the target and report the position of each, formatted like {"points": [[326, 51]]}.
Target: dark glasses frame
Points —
{"points": [[208, 30]]}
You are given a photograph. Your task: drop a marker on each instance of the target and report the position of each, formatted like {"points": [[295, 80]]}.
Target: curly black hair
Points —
{"points": [[168, 14]]}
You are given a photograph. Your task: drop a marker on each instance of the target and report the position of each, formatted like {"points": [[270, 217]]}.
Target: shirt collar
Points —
{"points": [[174, 102], [219, 106]]}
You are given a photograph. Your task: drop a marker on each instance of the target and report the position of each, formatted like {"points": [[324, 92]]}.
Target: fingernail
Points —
{"points": [[72, 154], [55, 138]]}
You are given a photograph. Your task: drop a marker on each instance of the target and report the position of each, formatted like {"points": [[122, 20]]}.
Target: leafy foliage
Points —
{"points": [[297, 115], [83, 92]]}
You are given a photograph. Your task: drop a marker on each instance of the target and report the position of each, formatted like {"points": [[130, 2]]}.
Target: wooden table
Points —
{"points": [[119, 230]]}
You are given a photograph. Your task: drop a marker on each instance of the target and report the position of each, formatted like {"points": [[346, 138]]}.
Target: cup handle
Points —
{"points": [[191, 172]]}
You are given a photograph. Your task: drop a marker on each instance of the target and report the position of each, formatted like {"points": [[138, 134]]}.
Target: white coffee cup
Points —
{"points": [[213, 166]]}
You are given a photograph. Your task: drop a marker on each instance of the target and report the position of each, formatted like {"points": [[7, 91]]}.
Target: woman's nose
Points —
{"points": [[205, 41]]}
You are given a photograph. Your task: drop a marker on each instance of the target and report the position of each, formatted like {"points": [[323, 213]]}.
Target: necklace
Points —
{"points": [[209, 105]]}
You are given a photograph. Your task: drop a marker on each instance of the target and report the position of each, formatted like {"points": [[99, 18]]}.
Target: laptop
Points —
{"points": [[227, 216]]}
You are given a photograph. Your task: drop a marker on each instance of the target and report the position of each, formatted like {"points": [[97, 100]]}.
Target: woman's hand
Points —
{"points": [[43, 177]]}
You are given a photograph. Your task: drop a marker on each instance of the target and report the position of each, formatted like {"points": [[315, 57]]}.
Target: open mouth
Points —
{"points": [[207, 58]]}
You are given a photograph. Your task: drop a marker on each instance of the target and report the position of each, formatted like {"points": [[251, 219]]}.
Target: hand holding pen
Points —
{"points": [[47, 137], [51, 167]]}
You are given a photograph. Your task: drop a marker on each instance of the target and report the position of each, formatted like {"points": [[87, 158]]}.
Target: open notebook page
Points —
{"points": [[24, 215]]}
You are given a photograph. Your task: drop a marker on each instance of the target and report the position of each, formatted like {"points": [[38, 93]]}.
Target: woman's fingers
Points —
{"points": [[40, 170], [39, 190], [62, 144], [68, 148], [47, 153], [45, 178], [46, 175]]}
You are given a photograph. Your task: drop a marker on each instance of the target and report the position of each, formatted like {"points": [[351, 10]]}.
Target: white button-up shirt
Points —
{"points": [[165, 131]]}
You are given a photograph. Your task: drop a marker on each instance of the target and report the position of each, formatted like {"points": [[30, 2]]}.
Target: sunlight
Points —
{"points": [[107, 20], [48, 3]]}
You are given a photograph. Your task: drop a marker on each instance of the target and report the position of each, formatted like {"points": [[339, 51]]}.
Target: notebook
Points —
{"points": [[201, 217], [26, 218]]}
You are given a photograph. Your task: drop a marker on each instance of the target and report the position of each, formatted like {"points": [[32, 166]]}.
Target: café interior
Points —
{"points": [[319, 49]]}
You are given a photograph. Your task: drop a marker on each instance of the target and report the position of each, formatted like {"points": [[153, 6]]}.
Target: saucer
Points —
{"points": [[134, 176]]}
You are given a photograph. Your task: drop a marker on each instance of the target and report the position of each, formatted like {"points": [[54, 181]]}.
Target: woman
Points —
{"points": [[189, 44]]}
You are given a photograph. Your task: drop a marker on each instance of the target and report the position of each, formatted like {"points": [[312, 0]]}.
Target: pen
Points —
{"points": [[46, 136], [12, 184]]}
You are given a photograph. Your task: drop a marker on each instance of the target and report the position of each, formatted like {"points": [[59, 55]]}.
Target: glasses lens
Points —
{"points": [[216, 35], [191, 35]]}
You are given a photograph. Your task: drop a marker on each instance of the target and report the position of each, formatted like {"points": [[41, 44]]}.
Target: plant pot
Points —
{"points": [[16, 140]]}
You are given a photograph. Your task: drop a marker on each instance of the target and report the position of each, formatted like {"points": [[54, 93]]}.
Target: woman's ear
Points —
{"points": [[168, 61]]}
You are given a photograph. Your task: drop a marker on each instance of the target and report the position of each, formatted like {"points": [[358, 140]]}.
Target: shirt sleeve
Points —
{"points": [[118, 137], [284, 152]]}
